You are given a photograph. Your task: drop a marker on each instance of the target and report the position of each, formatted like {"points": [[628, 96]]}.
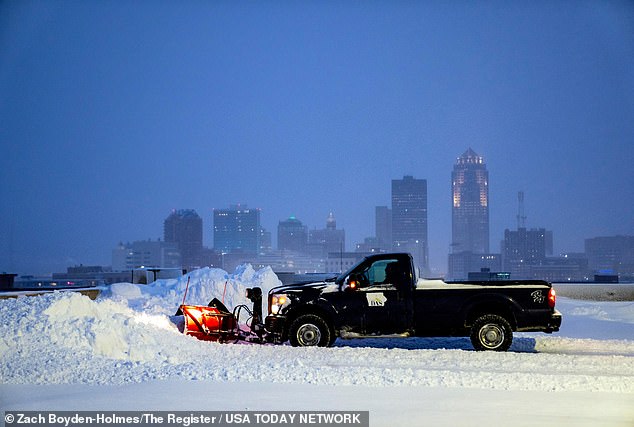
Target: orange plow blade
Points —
{"points": [[209, 323]]}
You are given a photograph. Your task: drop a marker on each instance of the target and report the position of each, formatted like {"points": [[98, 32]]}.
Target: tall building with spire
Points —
{"points": [[470, 218], [470, 209]]}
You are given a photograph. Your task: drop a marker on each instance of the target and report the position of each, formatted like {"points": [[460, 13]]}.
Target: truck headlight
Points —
{"points": [[278, 302]]}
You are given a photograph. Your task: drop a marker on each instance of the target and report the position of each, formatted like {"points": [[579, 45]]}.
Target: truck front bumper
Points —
{"points": [[275, 327]]}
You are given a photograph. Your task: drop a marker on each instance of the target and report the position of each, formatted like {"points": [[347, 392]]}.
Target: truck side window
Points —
{"points": [[384, 272]]}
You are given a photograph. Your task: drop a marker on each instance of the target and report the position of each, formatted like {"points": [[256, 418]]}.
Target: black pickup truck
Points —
{"points": [[380, 296]]}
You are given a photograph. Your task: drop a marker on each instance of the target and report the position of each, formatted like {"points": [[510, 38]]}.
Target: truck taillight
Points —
{"points": [[552, 298]]}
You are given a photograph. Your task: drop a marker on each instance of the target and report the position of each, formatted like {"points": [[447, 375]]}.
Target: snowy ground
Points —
{"points": [[122, 352]]}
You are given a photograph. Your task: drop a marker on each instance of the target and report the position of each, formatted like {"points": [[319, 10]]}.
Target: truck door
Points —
{"points": [[381, 298]]}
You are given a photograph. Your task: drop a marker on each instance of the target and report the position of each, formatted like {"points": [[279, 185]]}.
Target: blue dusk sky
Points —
{"points": [[113, 113]]}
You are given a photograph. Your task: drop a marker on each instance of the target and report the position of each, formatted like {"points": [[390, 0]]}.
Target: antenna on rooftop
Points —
{"points": [[521, 217]]}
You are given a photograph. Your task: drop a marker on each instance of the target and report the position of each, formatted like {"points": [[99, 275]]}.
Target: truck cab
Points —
{"points": [[376, 296]]}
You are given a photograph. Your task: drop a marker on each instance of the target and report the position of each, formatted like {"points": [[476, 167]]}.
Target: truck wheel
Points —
{"points": [[491, 332], [309, 330]]}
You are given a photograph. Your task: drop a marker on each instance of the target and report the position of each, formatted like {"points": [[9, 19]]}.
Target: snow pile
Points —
{"points": [[71, 322], [44, 338], [164, 296]]}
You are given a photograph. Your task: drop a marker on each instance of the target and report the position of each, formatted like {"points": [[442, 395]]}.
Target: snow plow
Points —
{"points": [[215, 322], [380, 296], [210, 323]]}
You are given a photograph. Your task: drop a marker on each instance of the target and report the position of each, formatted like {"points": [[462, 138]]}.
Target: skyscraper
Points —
{"points": [[470, 210], [237, 230], [185, 228], [409, 218], [292, 235], [383, 227], [522, 249], [613, 254]]}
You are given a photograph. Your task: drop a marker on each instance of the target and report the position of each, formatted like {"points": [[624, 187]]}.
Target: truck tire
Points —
{"points": [[491, 332], [309, 330]]}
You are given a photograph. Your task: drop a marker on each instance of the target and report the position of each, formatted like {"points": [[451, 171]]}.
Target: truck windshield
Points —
{"points": [[342, 276]]}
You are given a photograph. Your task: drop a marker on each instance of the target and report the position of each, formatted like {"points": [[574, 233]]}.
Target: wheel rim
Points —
{"points": [[308, 335], [491, 335]]}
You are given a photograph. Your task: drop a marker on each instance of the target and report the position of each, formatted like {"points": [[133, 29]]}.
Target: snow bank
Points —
{"points": [[108, 329], [164, 296], [63, 336]]}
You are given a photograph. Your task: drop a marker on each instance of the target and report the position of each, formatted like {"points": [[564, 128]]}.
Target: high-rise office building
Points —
{"points": [[383, 227], [522, 249], [409, 218], [237, 230], [292, 235], [146, 253], [266, 241], [613, 254], [185, 228], [470, 209], [327, 240]]}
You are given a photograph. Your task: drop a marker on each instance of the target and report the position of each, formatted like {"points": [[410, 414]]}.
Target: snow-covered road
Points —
{"points": [[122, 352]]}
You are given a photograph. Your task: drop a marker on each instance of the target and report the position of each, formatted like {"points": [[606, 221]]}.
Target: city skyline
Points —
{"points": [[303, 109], [208, 229], [231, 227]]}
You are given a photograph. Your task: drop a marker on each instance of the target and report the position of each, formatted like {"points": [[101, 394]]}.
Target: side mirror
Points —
{"points": [[352, 282]]}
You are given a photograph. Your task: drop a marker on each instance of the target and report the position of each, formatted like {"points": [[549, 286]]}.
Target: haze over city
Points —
{"points": [[113, 114]]}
